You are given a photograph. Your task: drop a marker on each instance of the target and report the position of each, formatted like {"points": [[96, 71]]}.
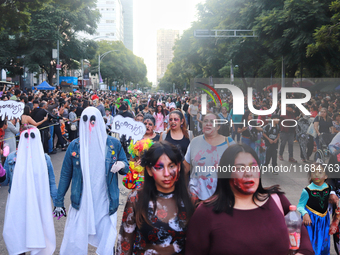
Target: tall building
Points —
{"points": [[165, 42], [111, 23], [128, 23]]}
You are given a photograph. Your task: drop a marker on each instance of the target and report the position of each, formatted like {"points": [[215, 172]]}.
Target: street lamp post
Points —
{"points": [[58, 62], [100, 57]]}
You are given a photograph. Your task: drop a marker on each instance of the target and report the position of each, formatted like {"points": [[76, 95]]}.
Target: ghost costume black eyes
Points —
{"points": [[85, 118], [27, 135], [93, 119]]}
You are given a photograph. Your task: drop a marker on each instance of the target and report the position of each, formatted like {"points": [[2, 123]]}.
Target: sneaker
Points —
{"points": [[281, 158], [303, 160], [292, 160], [63, 149], [52, 152]]}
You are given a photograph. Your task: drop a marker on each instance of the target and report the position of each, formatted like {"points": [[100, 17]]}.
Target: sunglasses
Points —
{"points": [[174, 119]]}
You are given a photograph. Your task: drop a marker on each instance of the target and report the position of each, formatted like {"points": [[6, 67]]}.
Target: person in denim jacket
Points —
{"points": [[91, 162]]}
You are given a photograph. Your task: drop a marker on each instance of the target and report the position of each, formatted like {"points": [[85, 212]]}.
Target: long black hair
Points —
{"points": [[223, 199], [162, 110], [27, 110], [149, 191]]}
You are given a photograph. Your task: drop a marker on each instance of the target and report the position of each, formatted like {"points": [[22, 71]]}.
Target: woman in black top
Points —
{"points": [[149, 122], [146, 110], [177, 133]]}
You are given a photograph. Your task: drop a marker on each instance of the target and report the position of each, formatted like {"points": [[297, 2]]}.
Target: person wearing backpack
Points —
{"points": [[271, 133], [249, 132]]}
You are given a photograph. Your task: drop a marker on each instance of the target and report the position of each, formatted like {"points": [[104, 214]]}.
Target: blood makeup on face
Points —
{"points": [[246, 180], [149, 126], [244, 186]]}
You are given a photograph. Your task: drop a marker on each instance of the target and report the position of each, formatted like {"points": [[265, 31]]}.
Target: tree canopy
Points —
{"points": [[56, 20], [304, 34], [119, 65], [15, 14], [61, 20]]}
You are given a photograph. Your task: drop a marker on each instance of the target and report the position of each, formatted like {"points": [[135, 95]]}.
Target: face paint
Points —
{"points": [[174, 173], [165, 173], [244, 185], [159, 166], [246, 179]]}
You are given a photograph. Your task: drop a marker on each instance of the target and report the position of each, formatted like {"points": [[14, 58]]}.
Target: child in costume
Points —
{"points": [[313, 206], [135, 177]]}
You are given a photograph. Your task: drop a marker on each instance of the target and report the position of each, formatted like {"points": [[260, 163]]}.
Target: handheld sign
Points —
{"points": [[128, 127], [11, 109]]}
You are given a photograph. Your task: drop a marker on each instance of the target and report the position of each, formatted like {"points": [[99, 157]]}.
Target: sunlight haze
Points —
{"points": [[151, 15]]}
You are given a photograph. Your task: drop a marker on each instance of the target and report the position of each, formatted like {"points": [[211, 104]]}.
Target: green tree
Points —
{"points": [[16, 15], [288, 30], [58, 20], [119, 65], [327, 41], [285, 28]]}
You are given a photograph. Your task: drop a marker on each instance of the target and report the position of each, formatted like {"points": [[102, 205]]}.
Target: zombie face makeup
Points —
{"points": [[175, 121], [208, 125], [165, 173], [149, 126], [245, 180]]}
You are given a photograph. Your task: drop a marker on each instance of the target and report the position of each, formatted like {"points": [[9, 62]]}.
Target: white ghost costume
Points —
{"points": [[91, 224], [28, 222]]}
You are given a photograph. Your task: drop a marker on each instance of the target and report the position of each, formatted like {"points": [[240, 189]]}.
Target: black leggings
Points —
{"points": [[45, 133], [310, 147], [72, 135], [61, 140]]}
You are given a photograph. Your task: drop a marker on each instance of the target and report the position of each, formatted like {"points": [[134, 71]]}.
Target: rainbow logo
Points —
{"points": [[209, 93]]}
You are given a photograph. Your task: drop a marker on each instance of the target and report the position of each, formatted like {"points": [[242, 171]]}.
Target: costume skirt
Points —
{"points": [[318, 233]]}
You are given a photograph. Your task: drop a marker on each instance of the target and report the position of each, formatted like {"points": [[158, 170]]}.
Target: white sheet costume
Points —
{"points": [[28, 222], [91, 224]]}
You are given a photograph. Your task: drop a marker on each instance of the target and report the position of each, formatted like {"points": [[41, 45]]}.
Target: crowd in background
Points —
{"points": [[195, 139]]}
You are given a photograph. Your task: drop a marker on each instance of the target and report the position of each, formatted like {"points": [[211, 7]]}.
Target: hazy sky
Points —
{"points": [[151, 15]]}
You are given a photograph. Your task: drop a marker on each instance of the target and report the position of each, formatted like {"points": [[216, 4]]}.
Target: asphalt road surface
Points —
{"points": [[291, 184]]}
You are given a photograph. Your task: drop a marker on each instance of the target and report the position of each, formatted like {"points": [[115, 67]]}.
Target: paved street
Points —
{"points": [[291, 185]]}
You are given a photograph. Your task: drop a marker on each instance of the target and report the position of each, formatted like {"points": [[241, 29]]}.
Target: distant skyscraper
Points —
{"points": [[111, 23], [128, 23], [165, 42]]}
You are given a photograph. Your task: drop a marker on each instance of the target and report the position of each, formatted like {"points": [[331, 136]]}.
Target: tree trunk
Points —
{"points": [[50, 73], [243, 78], [291, 74]]}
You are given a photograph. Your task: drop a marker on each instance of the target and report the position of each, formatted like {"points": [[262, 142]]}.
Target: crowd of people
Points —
{"points": [[180, 206]]}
